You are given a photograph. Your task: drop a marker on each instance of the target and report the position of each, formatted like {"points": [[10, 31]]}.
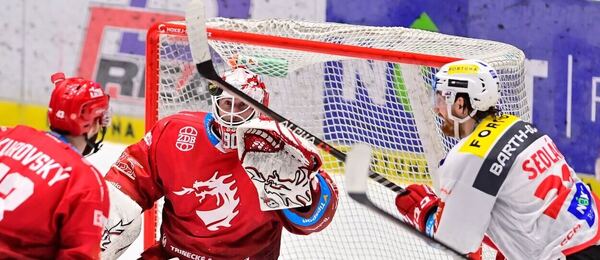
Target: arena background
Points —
{"points": [[104, 40]]}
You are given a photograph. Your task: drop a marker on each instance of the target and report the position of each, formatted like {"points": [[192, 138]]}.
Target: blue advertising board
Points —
{"points": [[562, 39], [563, 36]]}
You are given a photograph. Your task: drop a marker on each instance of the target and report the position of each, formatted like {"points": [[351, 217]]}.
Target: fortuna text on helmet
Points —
{"points": [[473, 77]]}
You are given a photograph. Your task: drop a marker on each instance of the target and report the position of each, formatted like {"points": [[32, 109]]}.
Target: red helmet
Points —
{"points": [[76, 104]]}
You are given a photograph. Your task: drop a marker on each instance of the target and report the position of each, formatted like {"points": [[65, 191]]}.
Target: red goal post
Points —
{"points": [[346, 84]]}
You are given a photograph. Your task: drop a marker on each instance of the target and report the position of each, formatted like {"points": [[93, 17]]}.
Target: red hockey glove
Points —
{"points": [[416, 204]]}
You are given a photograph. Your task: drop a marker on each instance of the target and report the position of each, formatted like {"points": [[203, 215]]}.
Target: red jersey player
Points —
{"points": [[212, 207], [52, 202]]}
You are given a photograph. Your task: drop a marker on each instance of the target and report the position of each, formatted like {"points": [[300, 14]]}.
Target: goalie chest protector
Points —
{"points": [[211, 205]]}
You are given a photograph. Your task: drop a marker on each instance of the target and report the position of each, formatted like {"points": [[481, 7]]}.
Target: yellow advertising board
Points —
{"points": [[123, 129]]}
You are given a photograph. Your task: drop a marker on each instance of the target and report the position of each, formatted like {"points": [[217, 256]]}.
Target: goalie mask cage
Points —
{"points": [[345, 84]]}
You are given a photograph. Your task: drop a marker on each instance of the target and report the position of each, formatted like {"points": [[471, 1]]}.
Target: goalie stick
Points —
{"points": [[195, 20], [357, 164]]}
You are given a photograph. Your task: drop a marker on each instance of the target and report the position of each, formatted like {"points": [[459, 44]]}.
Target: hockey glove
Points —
{"points": [[416, 204], [280, 164]]}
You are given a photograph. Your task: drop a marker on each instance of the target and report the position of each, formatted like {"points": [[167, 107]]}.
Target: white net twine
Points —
{"points": [[344, 99]]}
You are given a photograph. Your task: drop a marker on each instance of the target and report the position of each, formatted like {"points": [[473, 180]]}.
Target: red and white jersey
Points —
{"points": [[52, 202], [509, 180], [211, 206]]}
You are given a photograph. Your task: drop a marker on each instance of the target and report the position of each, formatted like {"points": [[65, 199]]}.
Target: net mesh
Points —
{"points": [[342, 99]]}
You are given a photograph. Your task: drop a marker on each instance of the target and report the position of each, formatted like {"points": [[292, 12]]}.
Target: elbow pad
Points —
{"points": [[123, 226]]}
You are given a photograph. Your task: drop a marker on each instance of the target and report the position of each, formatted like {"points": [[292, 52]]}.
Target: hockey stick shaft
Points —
{"points": [[359, 161], [364, 200], [198, 39]]}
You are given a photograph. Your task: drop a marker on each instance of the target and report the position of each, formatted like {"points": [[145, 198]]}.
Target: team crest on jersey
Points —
{"points": [[226, 200], [186, 138], [126, 165]]}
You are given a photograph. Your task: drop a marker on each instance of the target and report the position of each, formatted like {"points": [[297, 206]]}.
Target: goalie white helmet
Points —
{"points": [[473, 77], [230, 112]]}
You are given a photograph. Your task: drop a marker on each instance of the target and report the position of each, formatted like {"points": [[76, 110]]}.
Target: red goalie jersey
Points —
{"points": [[211, 206], [52, 203]]}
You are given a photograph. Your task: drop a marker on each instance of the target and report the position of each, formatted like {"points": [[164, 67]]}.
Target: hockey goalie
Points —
{"points": [[231, 181]]}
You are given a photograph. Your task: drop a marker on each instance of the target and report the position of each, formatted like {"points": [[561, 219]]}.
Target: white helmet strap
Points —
{"points": [[457, 121]]}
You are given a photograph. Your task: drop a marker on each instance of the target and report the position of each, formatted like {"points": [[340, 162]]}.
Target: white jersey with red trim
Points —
{"points": [[509, 181]]}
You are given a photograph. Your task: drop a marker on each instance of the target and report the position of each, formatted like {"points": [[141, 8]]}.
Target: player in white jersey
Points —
{"points": [[504, 179]]}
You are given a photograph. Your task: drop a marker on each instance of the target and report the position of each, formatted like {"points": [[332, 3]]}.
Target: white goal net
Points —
{"points": [[345, 84]]}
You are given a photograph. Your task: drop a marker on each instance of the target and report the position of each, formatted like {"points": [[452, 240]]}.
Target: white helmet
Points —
{"points": [[227, 118], [473, 77]]}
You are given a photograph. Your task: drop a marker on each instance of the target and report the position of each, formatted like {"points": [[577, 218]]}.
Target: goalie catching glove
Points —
{"points": [[280, 164]]}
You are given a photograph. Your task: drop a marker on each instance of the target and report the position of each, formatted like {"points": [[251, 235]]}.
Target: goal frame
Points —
{"points": [[152, 82], [271, 41]]}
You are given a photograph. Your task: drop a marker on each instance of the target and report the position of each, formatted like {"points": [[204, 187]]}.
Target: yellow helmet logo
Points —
{"points": [[463, 69]]}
